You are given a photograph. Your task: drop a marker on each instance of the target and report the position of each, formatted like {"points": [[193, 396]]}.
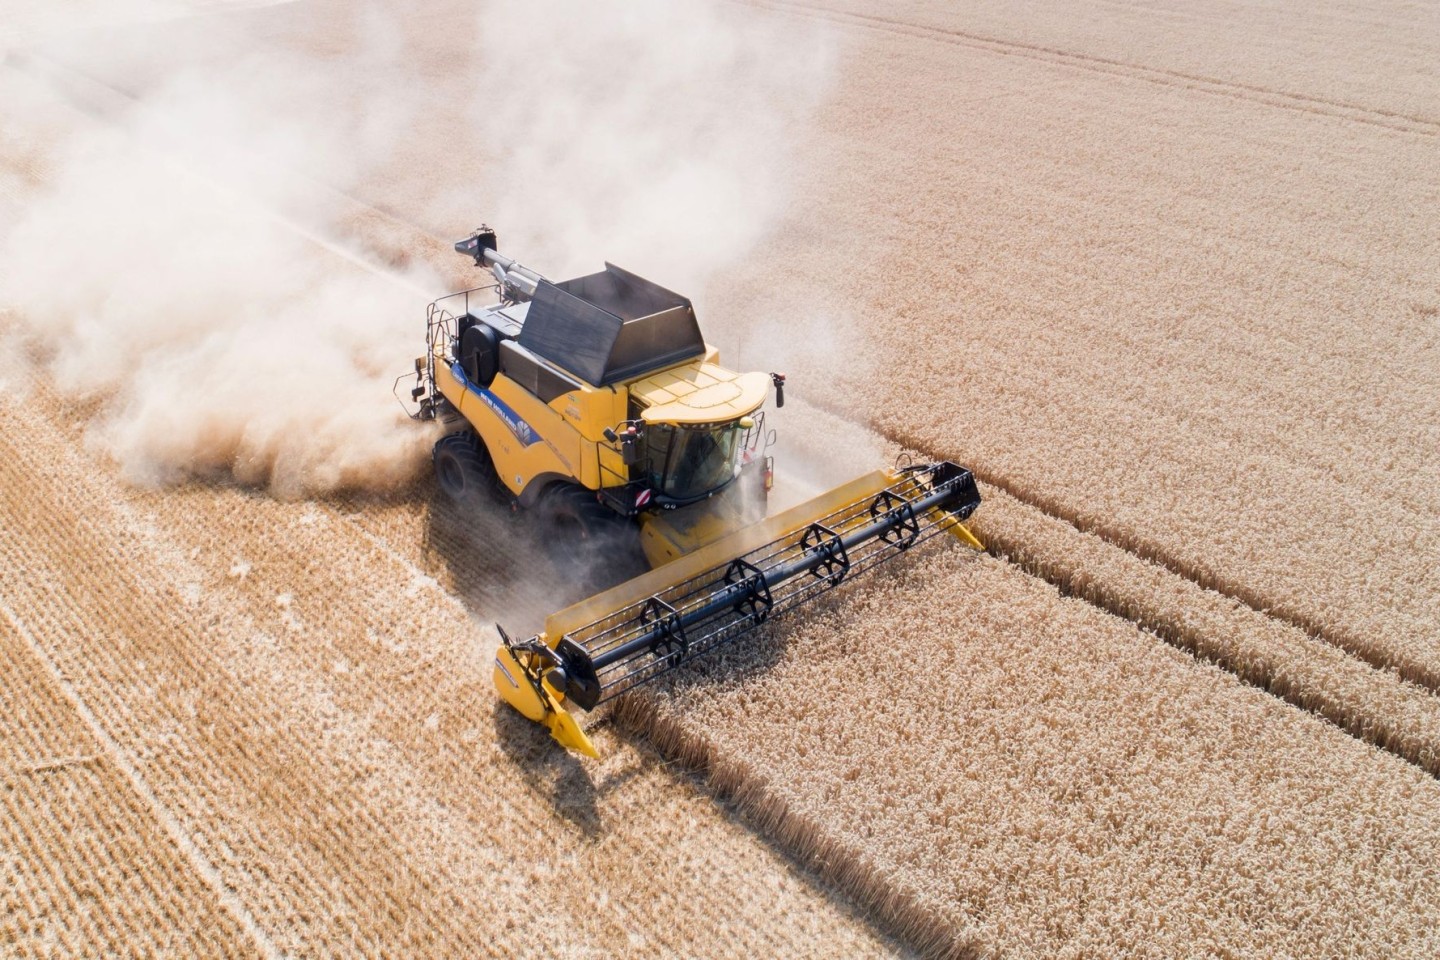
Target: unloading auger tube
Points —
{"points": [[601, 647]]}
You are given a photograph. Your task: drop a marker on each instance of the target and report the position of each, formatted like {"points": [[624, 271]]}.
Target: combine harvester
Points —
{"points": [[596, 404]]}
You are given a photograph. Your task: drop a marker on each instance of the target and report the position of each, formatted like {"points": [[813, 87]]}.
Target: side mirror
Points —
{"points": [[629, 439]]}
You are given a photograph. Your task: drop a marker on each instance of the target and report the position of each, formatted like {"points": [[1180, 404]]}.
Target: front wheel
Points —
{"points": [[463, 468], [589, 543]]}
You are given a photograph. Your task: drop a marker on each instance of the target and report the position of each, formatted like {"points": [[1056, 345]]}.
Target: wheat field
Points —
{"points": [[1199, 318], [1032, 777], [1166, 276]]}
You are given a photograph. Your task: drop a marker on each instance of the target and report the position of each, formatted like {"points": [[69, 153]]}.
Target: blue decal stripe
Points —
{"points": [[523, 431]]}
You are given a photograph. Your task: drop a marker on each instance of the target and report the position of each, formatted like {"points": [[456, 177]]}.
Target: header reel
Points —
{"points": [[614, 642]]}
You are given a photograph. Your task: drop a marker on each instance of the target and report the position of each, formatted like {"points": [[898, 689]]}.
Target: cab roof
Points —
{"points": [[699, 392]]}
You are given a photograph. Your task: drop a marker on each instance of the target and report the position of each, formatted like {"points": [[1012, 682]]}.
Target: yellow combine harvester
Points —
{"points": [[596, 403]]}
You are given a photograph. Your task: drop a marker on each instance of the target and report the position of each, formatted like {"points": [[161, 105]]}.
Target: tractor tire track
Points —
{"points": [[1233, 90], [1407, 670]]}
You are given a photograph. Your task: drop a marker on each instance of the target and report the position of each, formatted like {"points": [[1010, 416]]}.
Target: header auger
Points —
{"points": [[596, 403]]}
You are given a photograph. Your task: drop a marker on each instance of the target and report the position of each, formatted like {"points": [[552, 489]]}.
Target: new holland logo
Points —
{"points": [[508, 675], [523, 431]]}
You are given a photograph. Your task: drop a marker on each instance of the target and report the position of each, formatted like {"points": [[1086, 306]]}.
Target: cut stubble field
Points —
{"points": [[311, 716], [1166, 278]]}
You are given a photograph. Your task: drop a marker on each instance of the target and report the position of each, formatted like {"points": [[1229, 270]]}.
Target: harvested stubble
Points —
{"points": [[1003, 771], [1196, 316], [85, 867], [314, 716]]}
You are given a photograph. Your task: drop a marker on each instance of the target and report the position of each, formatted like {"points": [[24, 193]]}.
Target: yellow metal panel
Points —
{"points": [[598, 408], [556, 451], [516, 463], [566, 732], [699, 392], [592, 409], [665, 542], [960, 532], [667, 535], [567, 429], [516, 687]]}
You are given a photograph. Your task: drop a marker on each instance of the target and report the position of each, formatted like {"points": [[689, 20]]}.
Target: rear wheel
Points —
{"points": [[589, 542], [463, 467]]}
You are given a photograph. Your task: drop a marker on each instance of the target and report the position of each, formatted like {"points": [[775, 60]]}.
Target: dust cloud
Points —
{"points": [[653, 134], [181, 263], [169, 265]]}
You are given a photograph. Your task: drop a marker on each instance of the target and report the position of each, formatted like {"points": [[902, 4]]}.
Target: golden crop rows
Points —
{"points": [[1372, 704], [1164, 276], [996, 768]]}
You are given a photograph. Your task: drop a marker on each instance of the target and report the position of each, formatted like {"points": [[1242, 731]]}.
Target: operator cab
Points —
{"points": [[688, 463], [695, 417]]}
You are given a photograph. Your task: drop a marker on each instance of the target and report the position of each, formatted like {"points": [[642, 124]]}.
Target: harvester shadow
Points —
{"points": [[500, 565], [496, 562], [549, 771]]}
